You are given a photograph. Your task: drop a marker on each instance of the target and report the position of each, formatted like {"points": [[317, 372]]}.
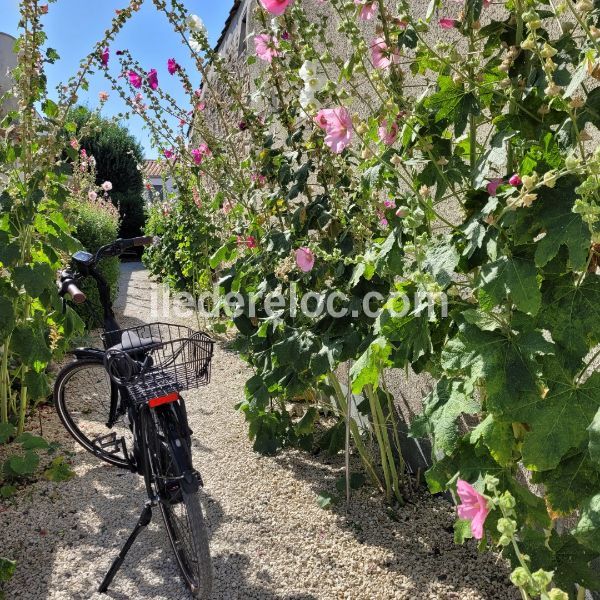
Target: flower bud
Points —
{"points": [[507, 527], [577, 102], [550, 179], [504, 540], [547, 51], [572, 162], [557, 594], [507, 501], [491, 482], [520, 577], [542, 578], [528, 44], [530, 181]]}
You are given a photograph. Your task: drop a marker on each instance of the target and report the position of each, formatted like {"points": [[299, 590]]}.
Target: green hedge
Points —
{"points": [[96, 224]]}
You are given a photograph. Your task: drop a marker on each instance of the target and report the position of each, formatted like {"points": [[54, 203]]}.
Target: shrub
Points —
{"points": [[96, 223]]}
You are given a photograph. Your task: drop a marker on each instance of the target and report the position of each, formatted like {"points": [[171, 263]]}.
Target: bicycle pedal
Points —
{"points": [[109, 443]]}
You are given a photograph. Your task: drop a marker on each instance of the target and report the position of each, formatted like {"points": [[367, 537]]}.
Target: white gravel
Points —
{"points": [[269, 538]]}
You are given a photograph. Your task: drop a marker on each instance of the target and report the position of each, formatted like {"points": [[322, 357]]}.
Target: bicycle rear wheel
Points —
{"points": [[82, 396], [169, 449]]}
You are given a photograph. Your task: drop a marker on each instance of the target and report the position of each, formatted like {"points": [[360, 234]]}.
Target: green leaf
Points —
{"points": [[30, 345], [34, 278], [555, 218], [594, 430], [499, 438], [441, 260], [37, 385], [357, 480], [7, 491], [59, 470], [462, 531], [515, 277], [7, 568], [587, 530], [22, 465], [559, 421], [7, 430], [324, 500], [7, 318], [442, 408], [32, 442], [574, 478], [365, 371], [306, 424]]}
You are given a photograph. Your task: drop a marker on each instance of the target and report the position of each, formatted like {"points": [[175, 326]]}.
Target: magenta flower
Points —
{"points": [[249, 241], [321, 118], [388, 132], [381, 56], [389, 203], [305, 259], [153, 79], [474, 507], [197, 155], [134, 79], [515, 180], [204, 149], [446, 23], [368, 8], [493, 186], [266, 47], [104, 56], [172, 66], [168, 153], [74, 144], [201, 106], [275, 7]]}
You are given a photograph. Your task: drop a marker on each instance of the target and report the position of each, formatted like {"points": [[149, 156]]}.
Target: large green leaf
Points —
{"points": [[7, 318], [34, 278], [440, 260], [571, 312], [515, 277], [366, 370], [499, 438], [559, 421], [587, 531]]}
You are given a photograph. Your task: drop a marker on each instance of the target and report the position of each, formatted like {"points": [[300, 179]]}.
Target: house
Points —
{"points": [[8, 61], [157, 187]]}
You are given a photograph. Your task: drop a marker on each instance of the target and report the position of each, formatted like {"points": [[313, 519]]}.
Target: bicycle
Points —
{"points": [[123, 404]]}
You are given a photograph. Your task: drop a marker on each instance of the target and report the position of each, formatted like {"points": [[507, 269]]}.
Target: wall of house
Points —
{"points": [[8, 61]]}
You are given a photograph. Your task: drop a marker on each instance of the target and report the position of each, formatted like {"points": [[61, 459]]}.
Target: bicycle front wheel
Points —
{"points": [[169, 449], [82, 396]]}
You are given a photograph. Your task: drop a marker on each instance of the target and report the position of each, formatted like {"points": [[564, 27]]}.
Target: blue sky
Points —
{"points": [[73, 26]]}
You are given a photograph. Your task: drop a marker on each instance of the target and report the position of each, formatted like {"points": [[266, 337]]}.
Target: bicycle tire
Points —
{"points": [[195, 565], [68, 420]]}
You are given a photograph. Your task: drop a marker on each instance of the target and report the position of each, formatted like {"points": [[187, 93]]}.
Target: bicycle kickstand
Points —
{"points": [[143, 521]]}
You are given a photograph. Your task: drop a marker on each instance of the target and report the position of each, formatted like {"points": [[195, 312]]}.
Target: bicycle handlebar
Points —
{"points": [[67, 285]]}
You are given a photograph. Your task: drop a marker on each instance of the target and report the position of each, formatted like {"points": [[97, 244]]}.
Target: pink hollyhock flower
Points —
{"points": [[338, 132], [285, 35], [201, 106], [401, 212], [321, 118], [44, 9], [227, 206], [92, 195], [266, 47], [168, 153], [104, 56], [368, 8], [515, 180], [134, 79], [172, 66], [388, 132], [305, 259], [258, 178], [74, 144], [153, 79], [83, 153], [381, 56], [448, 23], [474, 507], [275, 7], [106, 186], [249, 241], [204, 149], [389, 203], [383, 222], [197, 155], [103, 96], [493, 186]]}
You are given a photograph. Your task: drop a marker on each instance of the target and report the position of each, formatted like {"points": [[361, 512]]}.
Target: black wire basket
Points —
{"points": [[158, 359]]}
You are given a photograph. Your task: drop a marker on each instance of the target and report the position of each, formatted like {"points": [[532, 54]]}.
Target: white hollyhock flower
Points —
{"points": [[195, 46], [196, 24], [313, 79], [308, 101]]}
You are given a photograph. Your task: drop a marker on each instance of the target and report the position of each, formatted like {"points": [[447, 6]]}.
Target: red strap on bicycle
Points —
{"points": [[173, 397]]}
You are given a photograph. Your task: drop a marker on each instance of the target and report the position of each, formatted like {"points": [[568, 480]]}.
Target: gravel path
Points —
{"points": [[269, 538]]}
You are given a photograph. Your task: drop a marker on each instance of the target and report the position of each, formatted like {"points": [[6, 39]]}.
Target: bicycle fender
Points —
{"points": [[96, 353]]}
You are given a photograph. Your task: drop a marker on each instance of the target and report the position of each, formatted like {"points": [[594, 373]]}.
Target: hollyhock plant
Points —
{"points": [[266, 47], [153, 79], [446, 23], [134, 79], [474, 507], [381, 56], [388, 132], [104, 56], [337, 124], [275, 7], [367, 10], [493, 185], [172, 66], [305, 259]]}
